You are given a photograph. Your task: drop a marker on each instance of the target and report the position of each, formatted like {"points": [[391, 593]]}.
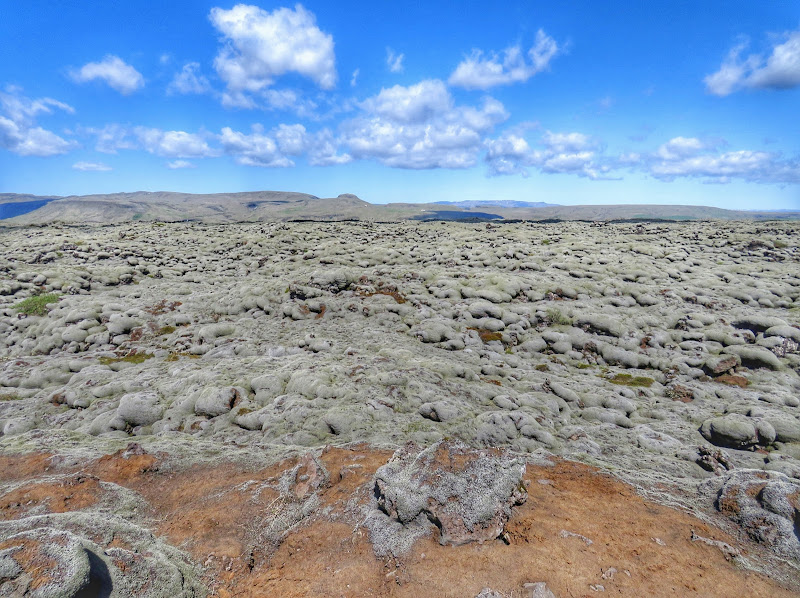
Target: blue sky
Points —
{"points": [[572, 103]]}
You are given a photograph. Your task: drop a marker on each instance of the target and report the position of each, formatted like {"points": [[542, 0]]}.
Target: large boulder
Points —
{"points": [[466, 493], [214, 401], [755, 357], [140, 408], [735, 431]]}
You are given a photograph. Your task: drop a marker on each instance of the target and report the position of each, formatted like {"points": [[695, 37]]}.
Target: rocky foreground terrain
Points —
{"points": [[407, 409]]}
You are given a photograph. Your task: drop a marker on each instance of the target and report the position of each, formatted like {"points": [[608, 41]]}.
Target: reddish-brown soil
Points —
{"points": [[733, 380], [577, 526], [73, 493]]}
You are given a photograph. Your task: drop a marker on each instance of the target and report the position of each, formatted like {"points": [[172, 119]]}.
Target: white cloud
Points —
{"points": [[562, 153], [258, 148], [394, 61], [281, 99], [285, 100], [173, 144], [412, 104], [118, 74], [680, 157], [178, 164], [354, 78], [323, 150], [91, 166], [781, 70], [272, 150], [692, 158], [288, 99], [291, 139], [680, 147], [33, 141], [580, 163], [482, 72], [238, 99], [111, 137], [189, 80], [566, 142], [255, 149], [24, 110], [17, 131], [261, 46], [420, 126]]}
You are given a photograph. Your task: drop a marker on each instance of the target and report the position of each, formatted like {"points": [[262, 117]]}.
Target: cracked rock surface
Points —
{"points": [[467, 494]]}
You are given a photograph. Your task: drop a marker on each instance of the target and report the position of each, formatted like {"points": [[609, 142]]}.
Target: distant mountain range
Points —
{"points": [[500, 203], [272, 206]]}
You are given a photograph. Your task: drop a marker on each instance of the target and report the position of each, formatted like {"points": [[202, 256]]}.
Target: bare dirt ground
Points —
{"points": [[580, 529]]}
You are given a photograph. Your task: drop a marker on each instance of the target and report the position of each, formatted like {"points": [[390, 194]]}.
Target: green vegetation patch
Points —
{"points": [[37, 305], [10, 397], [628, 380], [487, 336], [176, 356], [131, 358], [554, 316]]}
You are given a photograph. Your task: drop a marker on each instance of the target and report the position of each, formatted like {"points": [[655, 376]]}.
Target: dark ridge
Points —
{"points": [[650, 220], [460, 216], [323, 220]]}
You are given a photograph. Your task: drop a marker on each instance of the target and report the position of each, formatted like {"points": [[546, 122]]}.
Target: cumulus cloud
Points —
{"points": [[566, 142], [480, 71], [680, 157], [34, 141], [91, 166], [178, 164], [412, 104], [324, 150], [261, 46], [111, 137], [167, 144], [112, 70], [189, 80], [683, 157], [292, 139], [557, 153], [24, 110], [419, 126], [394, 61], [354, 78], [172, 144], [285, 100], [256, 149], [680, 147], [272, 150], [780, 70], [18, 133]]}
